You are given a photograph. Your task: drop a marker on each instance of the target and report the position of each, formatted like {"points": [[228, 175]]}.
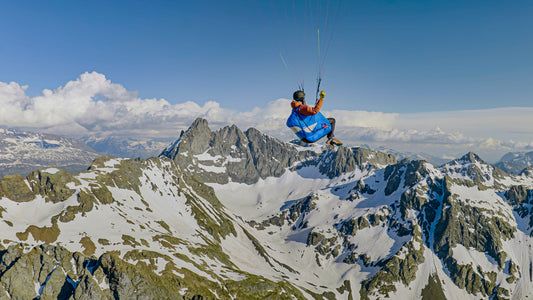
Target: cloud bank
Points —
{"points": [[93, 105]]}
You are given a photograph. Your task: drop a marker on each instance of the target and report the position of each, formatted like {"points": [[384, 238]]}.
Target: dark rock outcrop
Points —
{"points": [[230, 154]]}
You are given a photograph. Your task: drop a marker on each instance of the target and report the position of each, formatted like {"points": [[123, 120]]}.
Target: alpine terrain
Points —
{"points": [[229, 214], [125, 146], [515, 162], [22, 152]]}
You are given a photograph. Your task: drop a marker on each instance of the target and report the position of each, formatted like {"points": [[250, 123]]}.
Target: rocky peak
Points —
{"points": [[196, 138], [199, 125], [230, 154], [470, 157], [473, 168]]}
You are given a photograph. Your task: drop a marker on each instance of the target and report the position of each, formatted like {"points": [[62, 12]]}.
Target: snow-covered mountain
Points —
{"points": [[22, 152], [401, 155], [515, 162], [229, 214], [126, 147]]}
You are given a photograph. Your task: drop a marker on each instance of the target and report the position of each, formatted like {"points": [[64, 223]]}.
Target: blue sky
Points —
{"points": [[391, 56], [444, 77]]}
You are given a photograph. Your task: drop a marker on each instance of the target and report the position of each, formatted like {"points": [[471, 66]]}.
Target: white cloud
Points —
{"points": [[93, 105], [379, 120], [500, 123], [435, 136]]}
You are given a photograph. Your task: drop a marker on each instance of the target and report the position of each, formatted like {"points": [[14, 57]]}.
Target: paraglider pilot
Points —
{"points": [[299, 106]]}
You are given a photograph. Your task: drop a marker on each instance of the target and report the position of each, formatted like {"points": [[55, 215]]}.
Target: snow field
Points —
{"points": [[127, 215], [265, 198], [289, 246], [141, 216], [485, 199]]}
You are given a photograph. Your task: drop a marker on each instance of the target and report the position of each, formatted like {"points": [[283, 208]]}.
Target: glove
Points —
{"points": [[322, 94]]}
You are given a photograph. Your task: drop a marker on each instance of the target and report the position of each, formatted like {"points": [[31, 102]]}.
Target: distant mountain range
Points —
{"points": [[232, 214], [400, 155], [126, 146], [22, 152], [515, 162]]}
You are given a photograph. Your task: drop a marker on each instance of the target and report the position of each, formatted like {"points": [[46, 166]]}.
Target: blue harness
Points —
{"points": [[308, 128]]}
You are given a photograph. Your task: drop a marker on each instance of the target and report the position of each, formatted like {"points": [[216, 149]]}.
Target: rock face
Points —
{"points": [[245, 157], [23, 152], [239, 215], [55, 273], [230, 154]]}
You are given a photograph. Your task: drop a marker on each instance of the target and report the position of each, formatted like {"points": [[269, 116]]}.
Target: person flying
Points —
{"points": [[303, 110]]}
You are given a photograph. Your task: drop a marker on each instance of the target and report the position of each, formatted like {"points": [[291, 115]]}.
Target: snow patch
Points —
{"points": [[51, 171], [212, 169], [465, 256]]}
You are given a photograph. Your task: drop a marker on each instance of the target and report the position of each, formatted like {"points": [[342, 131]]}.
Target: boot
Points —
{"points": [[335, 142]]}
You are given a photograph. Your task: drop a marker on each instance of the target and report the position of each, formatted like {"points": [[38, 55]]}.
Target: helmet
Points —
{"points": [[298, 95]]}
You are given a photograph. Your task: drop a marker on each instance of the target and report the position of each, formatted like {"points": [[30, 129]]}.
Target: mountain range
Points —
{"points": [[515, 162], [22, 152], [118, 146], [232, 214], [400, 155]]}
